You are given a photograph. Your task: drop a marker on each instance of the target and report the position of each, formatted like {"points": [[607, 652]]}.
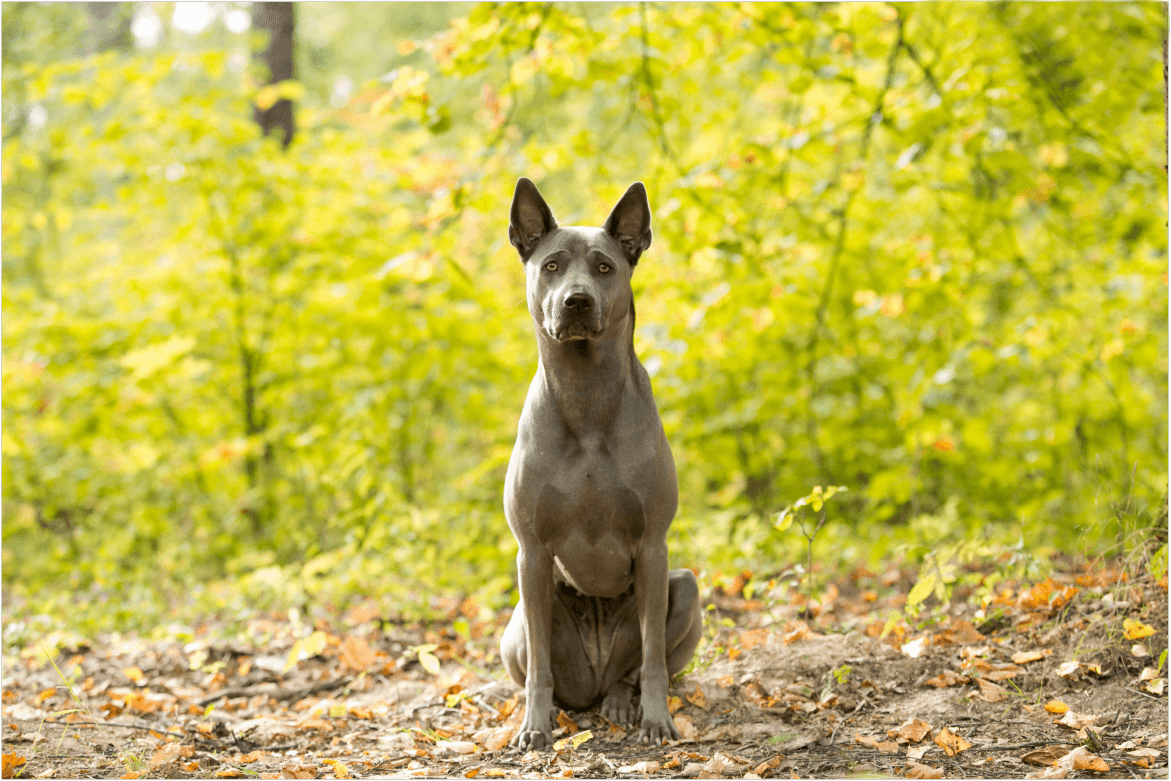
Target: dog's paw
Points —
{"points": [[618, 707], [655, 731], [527, 740]]}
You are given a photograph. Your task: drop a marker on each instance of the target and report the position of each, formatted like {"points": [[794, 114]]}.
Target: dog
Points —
{"points": [[591, 487]]}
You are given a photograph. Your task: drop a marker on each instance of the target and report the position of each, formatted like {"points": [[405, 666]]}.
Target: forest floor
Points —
{"points": [[1064, 678]]}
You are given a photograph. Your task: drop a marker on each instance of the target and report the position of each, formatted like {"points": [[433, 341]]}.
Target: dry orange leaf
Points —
{"points": [[1043, 757], [1136, 630], [563, 720], [685, 726], [498, 738], [945, 679], [358, 655], [249, 758], [913, 730], [916, 770], [1056, 706], [339, 768], [697, 699], [229, 772], [133, 673], [10, 764], [508, 706], [1024, 657], [675, 703], [991, 692], [190, 767], [950, 742], [131, 774]]}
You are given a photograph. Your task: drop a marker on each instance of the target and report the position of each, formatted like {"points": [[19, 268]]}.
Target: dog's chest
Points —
{"points": [[592, 523]]}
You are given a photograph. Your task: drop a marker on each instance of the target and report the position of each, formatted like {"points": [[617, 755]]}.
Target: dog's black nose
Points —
{"points": [[578, 301]]}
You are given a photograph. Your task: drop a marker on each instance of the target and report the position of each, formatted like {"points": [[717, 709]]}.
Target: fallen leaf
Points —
{"points": [[918, 751], [1024, 657], [563, 720], [167, 754], [454, 747], [1068, 669], [915, 770], [799, 632], [131, 774], [1136, 630], [10, 764], [1155, 686], [1076, 721], [358, 655], [697, 699], [914, 649], [724, 682], [991, 692], [1144, 752], [642, 768], [339, 768], [229, 772], [675, 703], [685, 726], [1056, 706], [945, 679], [1139, 651], [499, 738], [472, 773], [1148, 674], [1081, 759], [508, 706], [249, 758], [1044, 757], [133, 673], [886, 746], [950, 742], [573, 741], [189, 767], [913, 730]]}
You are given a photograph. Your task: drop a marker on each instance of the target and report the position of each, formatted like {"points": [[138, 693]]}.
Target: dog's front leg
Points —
{"points": [[535, 576], [650, 588]]}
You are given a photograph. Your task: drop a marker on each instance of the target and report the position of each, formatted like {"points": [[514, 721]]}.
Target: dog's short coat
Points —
{"points": [[591, 486]]}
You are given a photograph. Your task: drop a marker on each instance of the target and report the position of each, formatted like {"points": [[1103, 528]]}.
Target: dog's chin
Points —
{"points": [[575, 332]]}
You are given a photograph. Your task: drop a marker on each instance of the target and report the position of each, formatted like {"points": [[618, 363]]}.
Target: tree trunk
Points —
{"points": [[277, 20], [109, 26]]}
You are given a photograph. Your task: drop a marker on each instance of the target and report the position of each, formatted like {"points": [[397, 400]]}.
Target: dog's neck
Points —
{"points": [[586, 378]]}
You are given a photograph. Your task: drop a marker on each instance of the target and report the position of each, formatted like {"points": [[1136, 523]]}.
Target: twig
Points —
{"points": [[160, 730], [276, 694]]}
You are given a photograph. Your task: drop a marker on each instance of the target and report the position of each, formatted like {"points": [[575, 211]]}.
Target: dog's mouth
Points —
{"points": [[575, 331]]}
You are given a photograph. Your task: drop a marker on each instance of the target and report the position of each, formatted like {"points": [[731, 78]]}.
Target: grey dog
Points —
{"points": [[591, 487]]}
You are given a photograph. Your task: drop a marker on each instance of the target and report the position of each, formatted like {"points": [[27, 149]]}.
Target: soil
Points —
{"points": [[774, 692]]}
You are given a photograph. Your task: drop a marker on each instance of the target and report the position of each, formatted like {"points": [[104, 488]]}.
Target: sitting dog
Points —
{"points": [[591, 487]]}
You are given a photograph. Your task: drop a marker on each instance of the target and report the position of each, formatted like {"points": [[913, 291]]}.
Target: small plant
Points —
{"points": [[817, 500], [836, 676]]}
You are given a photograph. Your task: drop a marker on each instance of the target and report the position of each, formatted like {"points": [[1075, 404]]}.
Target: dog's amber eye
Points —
{"points": [[604, 268], [551, 266]]}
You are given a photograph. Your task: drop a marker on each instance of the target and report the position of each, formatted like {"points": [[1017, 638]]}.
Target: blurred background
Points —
{"points": [[265, 341]]}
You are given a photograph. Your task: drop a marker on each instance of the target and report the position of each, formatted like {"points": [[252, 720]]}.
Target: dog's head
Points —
{"points": [[578, 279]]}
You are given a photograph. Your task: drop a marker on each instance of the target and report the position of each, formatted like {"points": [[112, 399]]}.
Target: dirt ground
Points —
{"points": [[1059, 679]]}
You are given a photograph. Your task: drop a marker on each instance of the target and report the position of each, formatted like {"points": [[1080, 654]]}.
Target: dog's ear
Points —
{"points": [[530, 218], [630, 222]]}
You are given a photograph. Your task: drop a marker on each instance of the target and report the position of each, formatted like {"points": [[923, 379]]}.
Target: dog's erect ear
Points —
{"points": [[630, 222], [530, 218]]}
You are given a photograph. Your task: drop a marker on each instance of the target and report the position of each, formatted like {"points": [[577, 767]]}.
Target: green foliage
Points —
{"points": [[928, 265]]}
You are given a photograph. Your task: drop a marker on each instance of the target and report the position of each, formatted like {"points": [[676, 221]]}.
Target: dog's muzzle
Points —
{"points": [[578, 317]]}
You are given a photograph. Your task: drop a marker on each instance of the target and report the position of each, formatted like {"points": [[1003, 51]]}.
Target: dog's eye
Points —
{"points": [[551, 266], [604, 268]]}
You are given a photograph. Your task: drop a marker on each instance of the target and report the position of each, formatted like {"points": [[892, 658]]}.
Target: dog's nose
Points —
{"points": [[578, 301]]}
